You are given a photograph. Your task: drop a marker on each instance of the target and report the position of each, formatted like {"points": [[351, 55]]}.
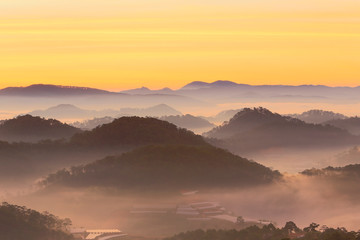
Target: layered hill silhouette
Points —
{"points": [[189, 122], [222, 116], [166, 167], [92, 123], [28, 128], [134, 131], [32, 160], [223, 91], [69, 111], [259, 128], [351, 124], [318, 116], [154, 111]]}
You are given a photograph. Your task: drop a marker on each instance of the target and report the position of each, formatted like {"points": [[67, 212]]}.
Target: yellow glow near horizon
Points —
{"points": [[116, 45]]}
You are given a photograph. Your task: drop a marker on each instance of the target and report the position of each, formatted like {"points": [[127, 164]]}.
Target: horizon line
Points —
{"points": [[175, 89]]}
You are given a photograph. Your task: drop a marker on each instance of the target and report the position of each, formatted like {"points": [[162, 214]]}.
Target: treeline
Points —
{"points": [[270, 232], [21, 223]]}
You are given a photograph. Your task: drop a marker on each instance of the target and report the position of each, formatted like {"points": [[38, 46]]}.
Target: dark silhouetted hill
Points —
{"points": [[21, 223], [133, 131], [259, 128], [318, 116], [350, 124], [188, 121], [29, 128], [167, 167]]}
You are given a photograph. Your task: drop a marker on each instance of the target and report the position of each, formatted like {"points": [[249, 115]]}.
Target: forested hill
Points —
{"points": [[136, 131], [29, 128], [258, 128], [21, 223], [167, 167]]}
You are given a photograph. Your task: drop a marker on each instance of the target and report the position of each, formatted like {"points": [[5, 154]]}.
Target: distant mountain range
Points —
{"points": [[227, 91], [43, 90], [258, 128], [19, 99], [166, 167], [32, 129], [192, 97]]}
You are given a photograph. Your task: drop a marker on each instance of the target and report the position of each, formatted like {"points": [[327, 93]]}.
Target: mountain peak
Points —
{"points": [[223, 83], [195, 85]]}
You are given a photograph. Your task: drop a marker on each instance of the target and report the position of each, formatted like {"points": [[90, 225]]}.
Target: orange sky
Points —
{"points": [[115, 45]]}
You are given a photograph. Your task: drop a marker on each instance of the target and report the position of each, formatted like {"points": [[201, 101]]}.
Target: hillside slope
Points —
{"points": [[136, 131], [28, 128], [167, 167], [258, 128]]}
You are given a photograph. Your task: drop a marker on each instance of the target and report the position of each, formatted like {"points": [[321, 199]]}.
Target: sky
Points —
{"points": [[121, 44]]}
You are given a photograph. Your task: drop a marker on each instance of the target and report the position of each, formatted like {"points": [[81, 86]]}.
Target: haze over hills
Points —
{"points": [[189, 122], [92, 123], [222, 116], [318, 116], [30, 161], [69, 111], [351, 124], [154, 111], [227, 91], [32, 129], [167, 167], [26, 99], [343, 180], [196, 98], [258, 128]]}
